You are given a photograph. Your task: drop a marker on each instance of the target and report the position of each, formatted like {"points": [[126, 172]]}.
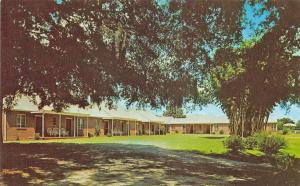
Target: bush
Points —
{"points": [[250, 142], [271, 144], [109, 135], [97, 129], [17, 138], [234, 143], [285, 131], [284, 161], [176, 131], [37, 136], [221, 131], [90, 135]]}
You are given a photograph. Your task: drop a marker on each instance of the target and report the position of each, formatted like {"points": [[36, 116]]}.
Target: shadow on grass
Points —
{"points": [[91, 164], [213, 137]]}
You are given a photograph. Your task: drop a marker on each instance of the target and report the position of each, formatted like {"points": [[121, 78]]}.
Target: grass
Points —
{"points": [[206, 144], [293, 141]]}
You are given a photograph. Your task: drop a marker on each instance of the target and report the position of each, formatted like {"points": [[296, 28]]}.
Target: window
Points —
{"points": [[21, 120], [80, 123]]}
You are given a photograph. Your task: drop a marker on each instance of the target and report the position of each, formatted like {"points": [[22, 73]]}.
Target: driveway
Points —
{"points": [[120, 164]]}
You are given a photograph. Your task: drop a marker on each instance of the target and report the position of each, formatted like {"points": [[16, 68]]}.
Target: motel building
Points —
{"points": [[24, 121]]}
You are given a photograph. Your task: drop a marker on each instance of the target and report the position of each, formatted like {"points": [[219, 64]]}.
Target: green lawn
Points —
{"points": [[207, 144]]}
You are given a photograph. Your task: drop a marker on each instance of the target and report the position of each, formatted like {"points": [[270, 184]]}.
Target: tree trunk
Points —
{"points": [[246, 120]]}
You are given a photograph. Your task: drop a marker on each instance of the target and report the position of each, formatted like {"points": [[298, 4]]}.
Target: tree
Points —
{"points": [[282, 121], [174, 112], [78, 52], [249, 80], [298, 125]]}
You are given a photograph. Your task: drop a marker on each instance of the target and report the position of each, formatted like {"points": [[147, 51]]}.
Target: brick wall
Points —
{"points": [[22, 133]]}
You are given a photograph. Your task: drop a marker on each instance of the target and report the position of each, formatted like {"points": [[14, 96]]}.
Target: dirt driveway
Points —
{"points": [[118, 164]]}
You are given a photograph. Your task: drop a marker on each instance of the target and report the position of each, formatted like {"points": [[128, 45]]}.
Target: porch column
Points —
{"points": [[149, 129], [4, 115], [112, 127], [128, 128], [59, 126], [77, 122], [74, 126], [43, 125], [87, 126]]}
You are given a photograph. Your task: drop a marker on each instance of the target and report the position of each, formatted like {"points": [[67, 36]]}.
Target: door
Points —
{"points": [[38, 125], [105, 127], [69, 126]]}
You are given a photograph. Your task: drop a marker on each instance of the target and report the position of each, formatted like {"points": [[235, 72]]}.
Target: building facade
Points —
{"points": [[25, 121]]}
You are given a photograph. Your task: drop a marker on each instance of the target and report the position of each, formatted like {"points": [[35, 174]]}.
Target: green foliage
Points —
{"points": [[284, 161], [221, 131], [285, 131], [250, 142], [97, 129], [90, 135], [234, 143], [298, 125], [174, 112], [282, 121], [271, 144], [37, 136]]}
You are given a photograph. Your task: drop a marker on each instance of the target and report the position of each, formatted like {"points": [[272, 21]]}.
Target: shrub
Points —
{"points": [[234, 143], [109, 135], [284, 161], [176, 131], [97, 129], [221, 131], [37, 136], [90, 135], [250, 142], [17, 138], [271, 144], [285, 131]]}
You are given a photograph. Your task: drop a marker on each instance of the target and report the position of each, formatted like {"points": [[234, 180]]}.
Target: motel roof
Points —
{"points": [[24, 104]]}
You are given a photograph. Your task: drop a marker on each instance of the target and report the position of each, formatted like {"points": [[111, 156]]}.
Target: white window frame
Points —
{"points": [[18, 125]]}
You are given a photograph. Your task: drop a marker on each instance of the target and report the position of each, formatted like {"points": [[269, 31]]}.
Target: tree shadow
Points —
{"points": [[91, 164]]}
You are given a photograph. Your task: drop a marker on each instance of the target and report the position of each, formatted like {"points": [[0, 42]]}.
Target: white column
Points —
{"points": [[74, 123], [59, 126], [43, 125], [77, 122], [5, 125], [112, 127], [87, 126]]}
